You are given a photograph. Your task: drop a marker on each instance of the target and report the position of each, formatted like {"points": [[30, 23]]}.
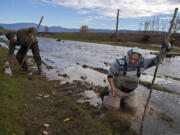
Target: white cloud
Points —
{"points": [[128, 8], [165, 18], [83, 12], [88, 19]]}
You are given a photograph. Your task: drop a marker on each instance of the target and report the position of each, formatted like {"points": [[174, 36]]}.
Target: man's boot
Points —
{"points": [[40, 70], [25, 67]]}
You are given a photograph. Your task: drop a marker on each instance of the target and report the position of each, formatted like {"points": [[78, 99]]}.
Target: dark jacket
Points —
{"points": [[24, 38]]}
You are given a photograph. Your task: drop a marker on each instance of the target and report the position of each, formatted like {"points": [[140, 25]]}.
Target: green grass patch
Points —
{"points": [[157, 87], [3, 31], [4, 41], [9, 101], [85, 37], [144, 46], [174, 78], [101, 70]]}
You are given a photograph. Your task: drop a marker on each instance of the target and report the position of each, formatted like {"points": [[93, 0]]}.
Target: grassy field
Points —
{"points": [[85, 37], [27, 102], [3, 31], [3, 41]]}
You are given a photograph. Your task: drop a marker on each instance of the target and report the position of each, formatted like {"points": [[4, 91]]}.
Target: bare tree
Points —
{"points": [[146, 26], [176, 25], [152, 25], [157, 24], [140, 27]]}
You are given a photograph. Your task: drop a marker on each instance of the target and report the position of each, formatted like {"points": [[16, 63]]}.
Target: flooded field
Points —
{"points": [[70, 61]]}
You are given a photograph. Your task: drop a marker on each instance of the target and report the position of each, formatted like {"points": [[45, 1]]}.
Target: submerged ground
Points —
{"points": [[77, 71]]}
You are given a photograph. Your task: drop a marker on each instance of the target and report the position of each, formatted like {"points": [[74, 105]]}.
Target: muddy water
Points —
{"points": [[68, 53], [67, 57], [163, 117]]}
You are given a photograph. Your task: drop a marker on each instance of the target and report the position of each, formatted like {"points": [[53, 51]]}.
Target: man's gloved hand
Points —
{"points": [[166, 46], [7, 68], [6, 64]]}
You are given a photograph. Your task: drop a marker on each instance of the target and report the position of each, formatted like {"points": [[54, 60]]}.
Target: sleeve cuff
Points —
{"points": [[110, 76]]}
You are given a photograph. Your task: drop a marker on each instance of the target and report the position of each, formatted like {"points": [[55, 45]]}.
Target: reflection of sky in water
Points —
{"points": [[67, 53], [170, 67], [161, 102], [96, 54]]}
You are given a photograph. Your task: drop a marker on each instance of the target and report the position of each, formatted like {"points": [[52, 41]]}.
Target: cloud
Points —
{"points": [[174, 1], [33, 1], [165, 18], [88, 19], [83, 12], [128, 8]]}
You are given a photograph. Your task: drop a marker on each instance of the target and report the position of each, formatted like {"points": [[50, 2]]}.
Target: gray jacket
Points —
{"points": [[117, 66]]}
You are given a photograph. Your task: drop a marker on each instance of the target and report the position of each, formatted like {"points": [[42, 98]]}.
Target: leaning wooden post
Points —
{"points": [[157, 66], [117, 23], [30, 42]]}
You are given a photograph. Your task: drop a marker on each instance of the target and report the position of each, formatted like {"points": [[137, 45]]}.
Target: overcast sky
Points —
{"points": [[100, 14]]}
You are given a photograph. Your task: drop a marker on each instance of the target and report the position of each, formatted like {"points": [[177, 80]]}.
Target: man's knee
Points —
{"points": [[111, 102], [38, 60], [36, 54], [131, 105]]}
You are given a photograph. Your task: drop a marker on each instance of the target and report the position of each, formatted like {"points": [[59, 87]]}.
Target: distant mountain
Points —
{"points": [[59, 29], [17, 26]]}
